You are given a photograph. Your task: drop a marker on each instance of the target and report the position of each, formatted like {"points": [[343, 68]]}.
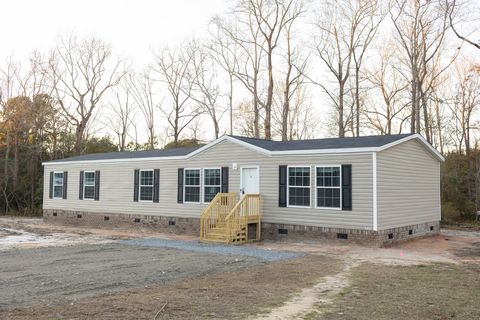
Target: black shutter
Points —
{"points": [[282, 186], [65, 184], [135, 184], [224, 180], [50, 191], [346, 187], [156, 185], [97, 185], [80, 186], [180, 186]]}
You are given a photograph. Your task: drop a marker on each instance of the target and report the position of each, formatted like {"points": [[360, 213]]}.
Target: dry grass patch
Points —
{"points": [[437, 291]]}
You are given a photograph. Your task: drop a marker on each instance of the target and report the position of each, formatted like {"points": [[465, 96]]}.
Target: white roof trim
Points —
{"points": [[266, 152]]}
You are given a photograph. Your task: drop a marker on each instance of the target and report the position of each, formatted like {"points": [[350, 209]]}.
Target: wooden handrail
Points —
{"points": [[238, 218], [216, 211]]}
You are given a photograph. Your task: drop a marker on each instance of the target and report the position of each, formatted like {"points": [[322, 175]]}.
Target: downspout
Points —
{"points": [[375, 214]]}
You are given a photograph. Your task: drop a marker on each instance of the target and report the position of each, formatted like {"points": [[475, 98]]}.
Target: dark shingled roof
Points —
{"points": [[131, 154], [313, 144], [328, 143]]}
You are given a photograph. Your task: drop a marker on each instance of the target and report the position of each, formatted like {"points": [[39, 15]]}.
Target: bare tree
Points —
{"points": [[271, 18], [465, 102], [455, 10], [239, 46], [141, 86], [343, 32], [420, 28], [123, 114], [80, 73], [206, 90], [389, 114], [174, 67]]}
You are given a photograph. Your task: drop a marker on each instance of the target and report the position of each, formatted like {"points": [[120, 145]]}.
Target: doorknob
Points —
{"points": [[242, 190]]}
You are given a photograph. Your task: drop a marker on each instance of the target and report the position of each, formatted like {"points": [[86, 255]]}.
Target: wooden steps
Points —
{"points": [[227, 221]]}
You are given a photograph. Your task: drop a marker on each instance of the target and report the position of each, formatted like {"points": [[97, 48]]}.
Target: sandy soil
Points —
{"points": [[305, 287]]}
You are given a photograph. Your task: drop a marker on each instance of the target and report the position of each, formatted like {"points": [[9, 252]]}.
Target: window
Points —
{"points": [[192, 185], [146, 185], [89, 185], [328, 186], [211, 183], [58, 184], [298, 186]]}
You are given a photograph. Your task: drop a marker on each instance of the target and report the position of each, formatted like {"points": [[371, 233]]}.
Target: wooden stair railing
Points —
{"points": [[245, 212], [215, 213]]}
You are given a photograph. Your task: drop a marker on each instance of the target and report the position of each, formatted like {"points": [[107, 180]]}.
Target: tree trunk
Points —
{"points": [[357, 101], [341, 128], [268, 105]]}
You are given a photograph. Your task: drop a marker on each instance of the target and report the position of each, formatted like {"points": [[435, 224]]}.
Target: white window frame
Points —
{"points": [[58, 185], [209, 185], [309, 187], [84, 185], [140, 185], [323, 187], [191, 185]]}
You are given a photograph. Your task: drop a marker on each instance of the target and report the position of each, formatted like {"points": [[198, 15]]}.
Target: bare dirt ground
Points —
{"points": [[330, 281]]}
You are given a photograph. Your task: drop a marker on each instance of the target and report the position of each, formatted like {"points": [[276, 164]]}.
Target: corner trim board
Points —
{"points": [[375, 213]]}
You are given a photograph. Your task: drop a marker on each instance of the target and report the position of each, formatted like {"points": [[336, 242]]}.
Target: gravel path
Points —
{"points": [[54, 274], [230, 250]]}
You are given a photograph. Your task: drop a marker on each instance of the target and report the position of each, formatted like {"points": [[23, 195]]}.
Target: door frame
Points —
{"points": [[241, 176]]}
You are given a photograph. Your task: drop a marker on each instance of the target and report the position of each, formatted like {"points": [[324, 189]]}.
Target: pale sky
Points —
{"points": [[133, 27]]}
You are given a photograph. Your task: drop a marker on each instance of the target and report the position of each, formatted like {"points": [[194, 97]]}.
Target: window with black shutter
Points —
{"points": [[346, 187], [282, 186], [156, 185], [136, 175], [180, 185], [97, 185]]}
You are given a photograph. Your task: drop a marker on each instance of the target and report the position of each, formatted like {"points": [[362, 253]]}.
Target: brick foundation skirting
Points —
{"points": [[119, 220], [270, 231], [288, 232]]}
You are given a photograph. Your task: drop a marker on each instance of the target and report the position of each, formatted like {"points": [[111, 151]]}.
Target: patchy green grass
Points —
{"points": [[435, 291]]}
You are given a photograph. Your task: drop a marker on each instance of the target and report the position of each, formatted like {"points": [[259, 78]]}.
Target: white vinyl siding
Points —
{"points": [[117, 186], [408, 186]]}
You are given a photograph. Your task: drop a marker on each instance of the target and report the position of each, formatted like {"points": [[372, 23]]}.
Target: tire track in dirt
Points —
{"points": [[321, 293]]}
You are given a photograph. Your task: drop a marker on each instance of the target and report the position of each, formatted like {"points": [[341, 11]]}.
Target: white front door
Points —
{"points": [[250, 180]]}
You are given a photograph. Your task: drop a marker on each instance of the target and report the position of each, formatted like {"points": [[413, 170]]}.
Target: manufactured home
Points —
{"points": [[371, 190]]}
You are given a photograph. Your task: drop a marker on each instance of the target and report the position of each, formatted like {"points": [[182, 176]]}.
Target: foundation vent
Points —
{"points": [[431, 228], [282, 231], [342, 236], [54, 214], [137, 220], [171, 223], [79, 216], [410, 232], [106, 218], [390, 236]]}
